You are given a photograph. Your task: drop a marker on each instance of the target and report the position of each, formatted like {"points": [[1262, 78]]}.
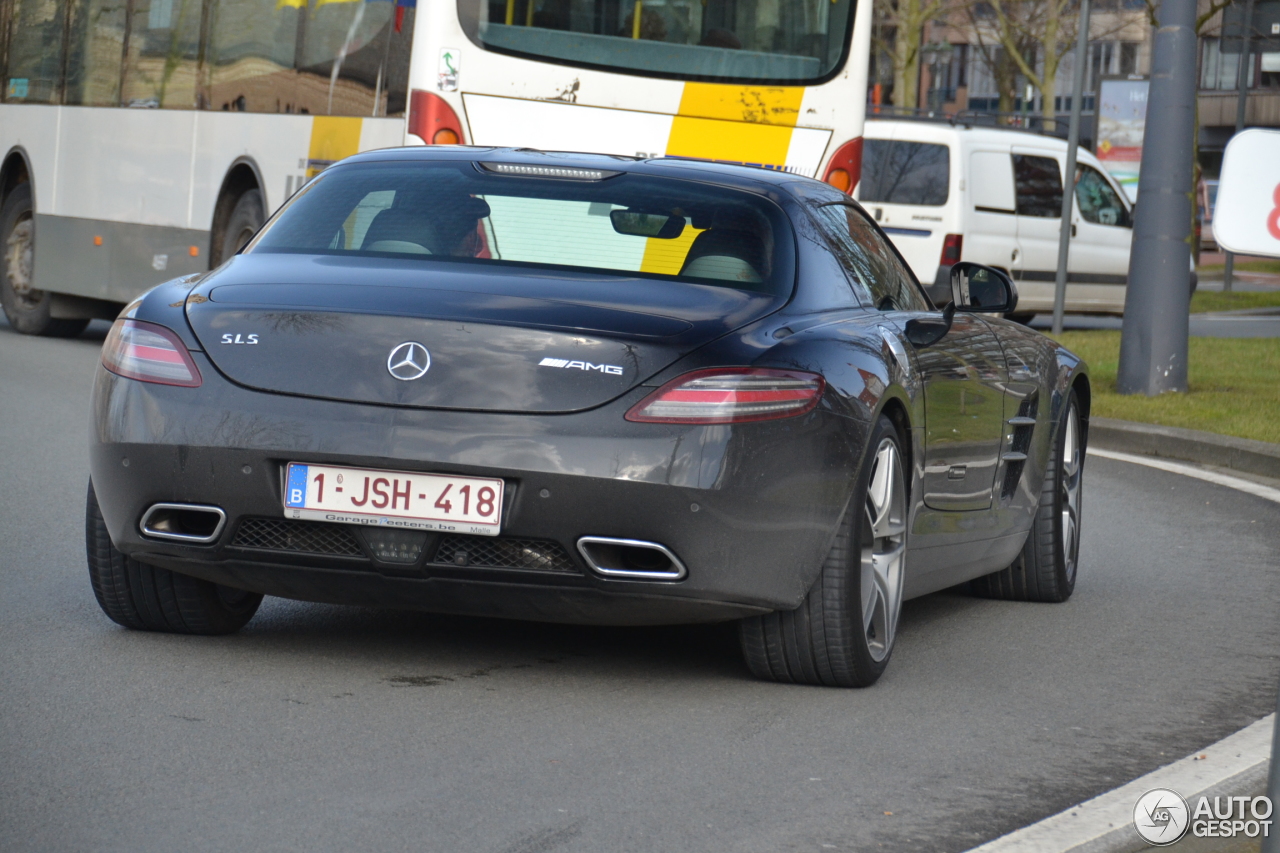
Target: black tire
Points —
{"points": [[1023, 317], [246, 218], [823, 641], [1046, 568], [28, 310], [147, 598]]}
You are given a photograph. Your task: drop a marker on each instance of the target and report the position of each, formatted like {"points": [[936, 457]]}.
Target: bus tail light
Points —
{"points": [[729, 395], [432, 120], [148, 353], [845, 168], [951, 247]]}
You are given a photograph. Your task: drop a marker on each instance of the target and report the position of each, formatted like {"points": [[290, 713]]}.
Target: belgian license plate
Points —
{"points": [[393, 498]]}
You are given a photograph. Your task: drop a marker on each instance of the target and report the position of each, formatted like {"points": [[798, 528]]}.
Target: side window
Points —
{"points": [[1038, 184], [35, 52], [870, 262], [896, 172], [1098, 201]]}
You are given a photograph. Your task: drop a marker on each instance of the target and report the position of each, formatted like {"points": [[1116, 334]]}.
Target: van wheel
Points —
{"points": [[1023, 317], [27, 309]]}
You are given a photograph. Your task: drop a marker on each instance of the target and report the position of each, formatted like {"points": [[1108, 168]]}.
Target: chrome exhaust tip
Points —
{"points": [[195, 524], [631, 559]]}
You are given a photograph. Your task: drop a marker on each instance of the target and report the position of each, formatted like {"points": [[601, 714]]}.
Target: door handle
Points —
{"points": [[1014, 256], [1073, 229]]}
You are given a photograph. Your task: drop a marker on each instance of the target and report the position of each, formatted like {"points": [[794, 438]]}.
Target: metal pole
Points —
{"points": [[1153, 341], [1069, 182], [1271, 844], [1242, 82]]}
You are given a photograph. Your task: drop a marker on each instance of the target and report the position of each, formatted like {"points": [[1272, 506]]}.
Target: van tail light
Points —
{"points": [[730, 395], [844, 170], [432, 119], [149, 353], [951, 247]]}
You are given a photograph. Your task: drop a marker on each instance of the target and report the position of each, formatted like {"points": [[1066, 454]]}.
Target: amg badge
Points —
{"points": [[611, 369]]}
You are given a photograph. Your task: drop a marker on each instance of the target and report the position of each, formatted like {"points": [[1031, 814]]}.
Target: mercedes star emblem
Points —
{"points": [[409, 361]]}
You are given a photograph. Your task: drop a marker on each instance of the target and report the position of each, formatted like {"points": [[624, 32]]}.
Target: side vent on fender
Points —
{"points": [[1015, 458]]}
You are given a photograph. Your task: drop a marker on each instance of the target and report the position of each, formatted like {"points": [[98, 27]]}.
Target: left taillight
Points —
{"points": [[729, 395], [149, 353]]}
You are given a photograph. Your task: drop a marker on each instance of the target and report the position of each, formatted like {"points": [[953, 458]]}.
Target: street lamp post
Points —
{"points": [[1153, 341], [1069, 182]]}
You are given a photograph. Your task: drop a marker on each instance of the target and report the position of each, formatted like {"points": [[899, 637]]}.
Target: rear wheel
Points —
{"points": [[27, 309], [1046, 568], [843, 633], [148, 598], [1023, 317]]}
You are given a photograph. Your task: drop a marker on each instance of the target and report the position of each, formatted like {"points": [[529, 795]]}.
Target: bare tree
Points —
{"points": [[902, 24], [999, 62]]}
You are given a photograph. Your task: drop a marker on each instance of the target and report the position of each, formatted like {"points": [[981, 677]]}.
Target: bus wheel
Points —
{"points": [[245, 220], [27, 309]]}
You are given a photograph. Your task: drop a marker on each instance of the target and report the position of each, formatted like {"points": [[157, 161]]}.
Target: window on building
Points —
{"points": [[1220, 69]]}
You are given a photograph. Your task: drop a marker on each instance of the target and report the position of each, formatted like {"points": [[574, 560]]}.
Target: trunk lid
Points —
{"points": [[498, 339]]}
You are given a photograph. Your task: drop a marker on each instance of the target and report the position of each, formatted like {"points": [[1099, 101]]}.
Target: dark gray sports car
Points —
{"points": [[581, 388]]}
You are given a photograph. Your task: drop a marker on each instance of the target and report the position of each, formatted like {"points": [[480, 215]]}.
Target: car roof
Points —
{"points": [[925, 130], [735, 175]]}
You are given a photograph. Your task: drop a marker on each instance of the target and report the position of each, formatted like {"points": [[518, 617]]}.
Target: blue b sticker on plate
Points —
{"points": [[296, 486]]}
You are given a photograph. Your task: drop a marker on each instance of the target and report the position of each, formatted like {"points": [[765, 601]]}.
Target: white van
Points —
{"points": [[946, 192]]}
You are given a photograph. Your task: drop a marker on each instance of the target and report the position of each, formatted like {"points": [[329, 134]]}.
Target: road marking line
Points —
{"points": [[1105, 823], [1227, 480]]}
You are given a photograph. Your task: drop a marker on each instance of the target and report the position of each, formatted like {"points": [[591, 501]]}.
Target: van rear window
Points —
{"points": [[899, 172]]}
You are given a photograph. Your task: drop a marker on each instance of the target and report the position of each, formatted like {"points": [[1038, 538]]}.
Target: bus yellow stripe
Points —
{"points": [[755, 104], [740, 124], [732, 141], [332, 138]]}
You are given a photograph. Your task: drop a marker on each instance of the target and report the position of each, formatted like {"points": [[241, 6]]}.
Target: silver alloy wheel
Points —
{"points": [[884, 537], [19, 248], [1070, 497]]}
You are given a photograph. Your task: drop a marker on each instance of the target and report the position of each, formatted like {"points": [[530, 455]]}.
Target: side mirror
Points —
{"points": [[980, 289], [927, 332]]}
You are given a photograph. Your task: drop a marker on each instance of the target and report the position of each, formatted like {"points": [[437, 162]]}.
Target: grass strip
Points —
{"points": [[1234, 385], [1262, 265], [1211, 300]]}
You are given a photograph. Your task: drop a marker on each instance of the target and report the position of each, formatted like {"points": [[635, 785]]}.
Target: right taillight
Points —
{"points": [[844, 169], [149, 353], [951, 247], [728, 395]]}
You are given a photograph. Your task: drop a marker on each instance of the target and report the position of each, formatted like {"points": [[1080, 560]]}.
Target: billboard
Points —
{"points": [[1122, 118]]}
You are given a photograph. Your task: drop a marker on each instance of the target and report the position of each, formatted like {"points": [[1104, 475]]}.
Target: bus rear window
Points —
{"points": [[782, 41], [899, 172], [626, 224]]}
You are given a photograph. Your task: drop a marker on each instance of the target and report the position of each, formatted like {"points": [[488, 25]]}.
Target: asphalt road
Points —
{"points": [[326, 728]]}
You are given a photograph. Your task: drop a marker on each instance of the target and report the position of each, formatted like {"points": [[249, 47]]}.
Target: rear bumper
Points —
{"points": [[767, 495]]}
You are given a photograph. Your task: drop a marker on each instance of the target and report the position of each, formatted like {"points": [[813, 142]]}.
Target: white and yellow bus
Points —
{"points": [[148, 139]]}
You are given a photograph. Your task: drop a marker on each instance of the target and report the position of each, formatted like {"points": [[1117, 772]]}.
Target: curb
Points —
{"points": [[1241, 454], [1236, 765]]}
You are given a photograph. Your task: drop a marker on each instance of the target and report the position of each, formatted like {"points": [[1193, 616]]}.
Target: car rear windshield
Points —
{"points": [[899, 172], [794, 41], [463, 212]]}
